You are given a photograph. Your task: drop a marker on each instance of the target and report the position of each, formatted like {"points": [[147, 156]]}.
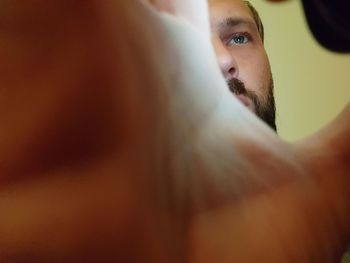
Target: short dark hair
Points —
{"points": [[257, 19]]}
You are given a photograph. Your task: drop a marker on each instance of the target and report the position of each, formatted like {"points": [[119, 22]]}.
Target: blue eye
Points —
{"points": [[239, 39]]}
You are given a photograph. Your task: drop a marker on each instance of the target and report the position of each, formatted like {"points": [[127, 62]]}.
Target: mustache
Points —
{"points": [[266, 111], [237, 87]]}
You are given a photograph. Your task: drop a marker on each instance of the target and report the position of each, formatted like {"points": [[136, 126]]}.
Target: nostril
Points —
{"points": [[232, 72]]}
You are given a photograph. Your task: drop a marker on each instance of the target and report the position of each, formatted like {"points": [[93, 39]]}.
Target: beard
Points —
{"points": [[264, 109]]}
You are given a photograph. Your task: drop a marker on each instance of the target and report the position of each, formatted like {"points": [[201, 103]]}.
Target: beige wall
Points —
{"points": [[312, 85]]}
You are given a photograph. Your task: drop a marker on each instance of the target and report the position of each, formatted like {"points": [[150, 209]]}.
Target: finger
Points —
{"points": [[81, 215], [48, 84], [327, 153], [194, 11]]}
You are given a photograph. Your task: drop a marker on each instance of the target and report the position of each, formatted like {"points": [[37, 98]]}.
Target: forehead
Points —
{"points": [[221, 9]]}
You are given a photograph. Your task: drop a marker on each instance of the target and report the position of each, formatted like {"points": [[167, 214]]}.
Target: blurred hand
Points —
{"points": [[121, 142]]}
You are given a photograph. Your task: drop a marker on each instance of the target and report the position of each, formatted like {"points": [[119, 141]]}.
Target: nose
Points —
{"points": [[225, 58]]}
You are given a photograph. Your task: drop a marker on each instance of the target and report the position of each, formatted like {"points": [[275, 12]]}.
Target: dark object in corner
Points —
{"points": [[329, 21]]}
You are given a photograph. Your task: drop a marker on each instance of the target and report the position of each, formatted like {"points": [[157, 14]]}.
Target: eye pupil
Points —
{"points": [[239, 39]]}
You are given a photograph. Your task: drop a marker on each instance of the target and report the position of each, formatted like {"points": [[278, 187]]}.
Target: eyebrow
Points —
{"points": [[230, 22]]}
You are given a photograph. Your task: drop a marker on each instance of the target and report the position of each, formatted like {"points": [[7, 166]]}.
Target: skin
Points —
{"points": [[103, 158], [245, 61]]}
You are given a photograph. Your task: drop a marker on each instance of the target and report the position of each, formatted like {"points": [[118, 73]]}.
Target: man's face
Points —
{"points": [[242, 58]]}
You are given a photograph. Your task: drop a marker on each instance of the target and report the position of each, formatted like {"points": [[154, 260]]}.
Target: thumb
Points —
{"points": [[327, 154]]}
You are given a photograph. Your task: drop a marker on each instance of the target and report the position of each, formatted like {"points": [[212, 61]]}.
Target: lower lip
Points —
{"points": [[245, 100]]}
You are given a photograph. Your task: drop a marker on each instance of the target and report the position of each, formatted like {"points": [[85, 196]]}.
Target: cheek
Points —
{"points": [[254, 71]]}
